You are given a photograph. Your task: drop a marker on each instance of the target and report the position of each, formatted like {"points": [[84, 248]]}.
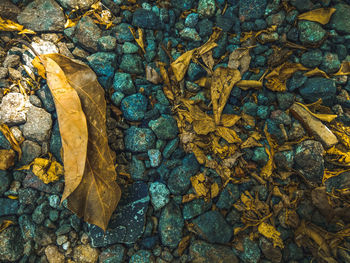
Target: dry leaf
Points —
{"points": [[8, 25], [316, 72], [139, 39], [344, 69], [13, 197], [5, 224], [327, 174], [7, 159], [322, 117], [11, 138], [96, 195], [185, 241], [152, 75], [252, 141], [340, 156], [198, 184], [270, 232], [239, 58], [180, 65], [223, 81], [228, 134], [214, 190], [246, 84], [228, 120], [320, 15], [208, 59], [343, 133]]}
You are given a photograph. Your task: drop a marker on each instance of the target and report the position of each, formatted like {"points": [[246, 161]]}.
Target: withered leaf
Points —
{"points": [[9, 25], [344, 69], [11, 138], [246, 84], [239, 58], [198, 184], [252, 141], [7, 158], [203, 127], [5, 224], [185, 241], [152, 75], [139, 38], [97, 193], [208, 59], [228, 134], [320, 116], [320, 15], [270, 232], [228, 120], [180, 65], [316, 72]]}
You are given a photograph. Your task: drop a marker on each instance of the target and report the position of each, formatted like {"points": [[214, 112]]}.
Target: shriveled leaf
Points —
{"points": [[139, 39], [164, 74], [188, 197], [180, 65], [198, 184], [228, 134], [270, 232], [211, 43], [97, 195], [7, 159], [11, 138], [342, 132], [322, 117], [208, 59], [9, 25], [223, 81], [228, 120], [214, 190], [152, 75], [184, 243], [5, 224], [203, 127], [344, 69], [339, 156], [252, 141], [13, 197], [320, 15], [327, 174], [239, 59], [246, 84], [198, 153], [230, 161], [316, 72]]}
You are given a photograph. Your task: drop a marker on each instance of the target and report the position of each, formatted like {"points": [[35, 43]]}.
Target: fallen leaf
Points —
{"points": [[316, 72], [322, 117], [228, 134], [252, 141], [270, 232], [152, 75], [246, 84], [7, 159], [95, 193], [11, 138], [342, 132], [9, 25], [208, 59], [180, 65], [339, 156], [344, 69], [228, 120], [198, 184], [184, 243], [5, 224], [320, 15], [239, 58], [139, 39], [214, 190]]}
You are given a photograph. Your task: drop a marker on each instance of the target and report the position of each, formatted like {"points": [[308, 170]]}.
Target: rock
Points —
{"points": [[302, 5], [189, 33], [205, 27], [212, 227], [296, 132], [132, 63], [107, 43], [128, 221], [227, 20], [146, 19], [165, 127], [122, 82], [191, 20], [309, 160], [206, 8], [137, 169], [202, 252], [270, 252], [13, 109], [11, 61], [311, 58], [42, 15], [228, 196], [296, 81], [113, 254], [117, 98], [251, 9], [43, 236], [129, 48], [310, 33], [251, 253], [85, 254], [46, 98], [318, 87], [76, 4], [30, 151], [53, 255], [170, 147], [195, 208], [56, 143], [142, 256], [38, 125], [5, 181], [104, 64], [340, 20], [170, 226], [284, 160], [87, 33], [155, 157], [260, 156], [123, 33], [40, 212], [11, 244], [341, 181], [134, 107], [285, 100], [330, 63], [33, 181], [4, 143], [8, 206], [139, 139], [195, 72], [276, 19], [27, 195], [159, 195], [9, 10]]}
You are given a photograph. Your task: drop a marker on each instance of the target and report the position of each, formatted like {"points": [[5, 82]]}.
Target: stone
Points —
{"points": [[318, 88], [296, 81], [40, 212], [30, 151], [87, 33], [276, 19], [212, 227], [251, 253], [11, 244], [129, 48], [227, 20], [314, 126], [46, 98], [27, 226], [85, 254], [113, 254], [270, 252], [122, 82], [251, 9], [7, 159], [159, 195], [8, 206], [260, 156], [132, 63], [285, 100], [53, 255], [13, 109], [205, 27], [155, 157], [170, 147], [4, 143], [34, 100], [203, 252], [104, 64], [206, 8], [123, 33], [42, 15], [38, 125], [137, 169], [311, 33], [56, 142], [330, 63], [134, 107], [5, 181], [195, 208], [165, 127], [189, 33], [146, 19], [311, 58], [142, 256], [228, 196], [302, 5], [170, 226], [117, 98], [191, 20], [107, 43], [195, 72], [284, 160], [9, 10], [128, 221], [34, 182], [11, 61], [139, 139], [76, 4], [309, 160], [340, 20]]}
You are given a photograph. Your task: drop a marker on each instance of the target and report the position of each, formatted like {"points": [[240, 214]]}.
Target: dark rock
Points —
{"points": [[205, 27], [132, 63], [195, 72], [30, 151], [228, 196], [137, 169], [330, 63], [46, 98], [87, 33], [195, 208], [76, 4], [145, 19], [170, 147], [27, 227], [8, 206], [341, 181], [33, 181], [134, 107], [113, 254], [260, 156], [164, 127], [27, 195], [285, 100], [340, 20], [142, 256], [250, 108], [251, 9], [202, 252], [302, 5], [103, 63], [4, 143], [5, 181], [251, 253], [122, 82], [212, 227], [139, 139], [42, 15], [44, 236], [309, 160], [171, 224], [11, 244], [128, 221], [270, 252], [40, 213], [182, 4], [284, 160], [317, 87], [312, 58], [311, 33], [226, 21], [56, 143], [123, 33], [9, 10]]}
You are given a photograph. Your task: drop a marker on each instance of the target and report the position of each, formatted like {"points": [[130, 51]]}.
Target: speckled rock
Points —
{"points": [[195, 208], [8, 206], [139, 139], [251, 9], [30, 151], [164, 127], [134, 107], [122, 82], [87, 33], [206, 8], [53, 255], [11, 244], [145, 19], [340, 20], [311, 33], [202, 252], [13, 109], [85, 254], [103, 64], [132, 63], [142, 256], [189, 33], [38, 125], [159, 195], [113, 254], [79, 4], [228, 196], [330, 63], [251, 253], [317, 87]]}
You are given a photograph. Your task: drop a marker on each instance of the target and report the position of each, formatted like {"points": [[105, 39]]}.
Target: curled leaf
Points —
{"points": [[239, 58], [5, 224], [11, 138], [180, 65], [139, 38], [184, 243], [320, 15], [198, 184], [228, 134], [344, 69], [9, 25], [270, 232], [246, 84], [316, 72], [152, 75], [322, 117]]}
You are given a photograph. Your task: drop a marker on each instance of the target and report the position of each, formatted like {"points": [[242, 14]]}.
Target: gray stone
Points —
{"points": [[87, 33], [13, 109], [165, 127], [38, 125], [206, 8], [30, 151], [11, 61], [203, 252], [42, 15], [11, 244], [189, 33], [159, 195], [107, 43], [76, 4]]}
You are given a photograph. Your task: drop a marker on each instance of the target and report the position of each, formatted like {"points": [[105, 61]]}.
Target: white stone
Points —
{"points": [[13, 109]]}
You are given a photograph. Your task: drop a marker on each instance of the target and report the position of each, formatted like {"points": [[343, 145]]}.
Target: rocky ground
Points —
{"points": [[151, 218]]}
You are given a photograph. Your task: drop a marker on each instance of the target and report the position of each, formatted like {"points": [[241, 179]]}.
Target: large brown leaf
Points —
{"points": [[97, 193]]}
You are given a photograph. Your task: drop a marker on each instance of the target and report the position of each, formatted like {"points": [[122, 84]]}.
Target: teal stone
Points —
{"points": [[330, 63], [142, 256], [134, 107], [104, 64], [132, 63], [107, 43], [160, 195], [206, 8], [228, 196], [312, 58], [139, 139], [203, 252], [155, 157], [123, 33], [113, 254], [195, 208], [165, 127], [260, 156], [251, 253], [117, 98], [129, 48], [189, 33], [340, 20], [123, 83], [311, 33]]}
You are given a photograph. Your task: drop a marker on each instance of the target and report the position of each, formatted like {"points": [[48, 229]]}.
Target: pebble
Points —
{"points": [[123, 83], [315, 88], [203, 252], [189, 33], [165, 127], [340, 20], [87, 33], [251, 253], [129, 48], [107, 43], [8, 206], [311, 33], [85, 254], [206, 8], [145, 19], [155, 157], [139, 139], [134, 107], [5, 181], [251, 9], [195, 208], [132, 63], [159, 195], [11, 244], [330, 63], [13, 109], [137, 169], [53, 255], [142, 256], [312, 58], [103, 63], [76, 4]]}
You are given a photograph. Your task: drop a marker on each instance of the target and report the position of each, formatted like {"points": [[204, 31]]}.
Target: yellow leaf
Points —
{"points": [[228, 134], [344, 69], [11, 138], [316, 72], [214, 190], [322, 117], [342, 133], [252, 141], [246, 84], [13, 197], [223, 81], [184, 243], [228, 120], [200, 156], [270, 232], [340, 156], [210, 44], [203, 127], [8, 25], [180, 65], [327, 174], [70, 23], [5, 224], [320, 15], [198, 184], [208, 60], [239, 58], [7, 159], [267, 170], [139, 39]]}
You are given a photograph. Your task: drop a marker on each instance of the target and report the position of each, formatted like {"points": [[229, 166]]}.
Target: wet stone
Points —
{"points": [[8, 206], [340, 20], [164, 127], [128, 221], [56, 143], [213, 227], [311, 33], [228, 196], [11, 244], [191, 20], [284, 160], [159, 195], [145, 19], [260, 156], [312, 58], [123, 33], [203, 252], [195, 208], [137, 169], [134, 107], [139, 139], [317, 87], [189, 33], [4, 143]]}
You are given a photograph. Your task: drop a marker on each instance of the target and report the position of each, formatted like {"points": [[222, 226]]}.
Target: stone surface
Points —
{"points": [[318, 87], [30, 151], [85, 254], [330, 63], [87, 33], [195, 208], [11, 244], [132, 63], [142, 256], [340, 20], [113, 254], [159, 195], [312, 58], [228, 196], [13, 109], [76, 4], [155, 157], [145, 19], [206, 8], [103, 64], [5, 181], [134, 107], [38, 125], [311, 33], [8, 206], [139, 139], [164, 127], [251, 253], [128, 222], [53, 255], [202, 252], [32, 16], [122, 82], [190, 34], [251, 9], [7, 158]]}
